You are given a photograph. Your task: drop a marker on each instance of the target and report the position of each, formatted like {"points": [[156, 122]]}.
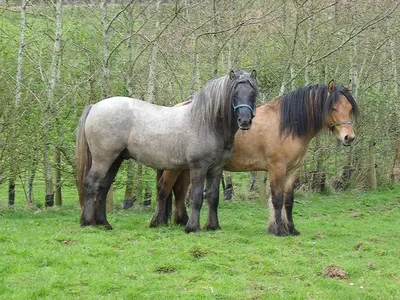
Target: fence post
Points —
{"points": [[262, 177], [372, 165], [228, 189], [110, 199]]}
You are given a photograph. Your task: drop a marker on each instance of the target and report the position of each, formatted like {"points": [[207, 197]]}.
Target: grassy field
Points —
{"points": [[44, 254]]}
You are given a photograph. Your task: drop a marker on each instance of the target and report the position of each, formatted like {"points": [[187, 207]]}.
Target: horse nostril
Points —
{"points": [[349, 138], [239, 119]]}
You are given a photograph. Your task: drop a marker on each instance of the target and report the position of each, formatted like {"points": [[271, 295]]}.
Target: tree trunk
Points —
{"points": [[20, 55], [153, 62], [290, 66], [396, 166], [195, 79], [129, 197], [110, 199], [57, 165], [106, 50], [106, 78], [12, 175], [139, 181], [147, 197], [49, 199], [214, 40], [30, 187], [308, 46], [11, 192]]}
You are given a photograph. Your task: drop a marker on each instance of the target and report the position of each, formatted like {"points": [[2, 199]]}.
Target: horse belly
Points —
{"points": [[158, 150]]}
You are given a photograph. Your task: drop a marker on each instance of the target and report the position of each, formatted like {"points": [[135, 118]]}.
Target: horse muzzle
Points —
{"points": [[244, 124], [344, 132], [348, 139], [244, 115]]}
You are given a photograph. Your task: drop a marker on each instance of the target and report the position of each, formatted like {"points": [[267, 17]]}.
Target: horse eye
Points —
{"points": [[334, 109]]}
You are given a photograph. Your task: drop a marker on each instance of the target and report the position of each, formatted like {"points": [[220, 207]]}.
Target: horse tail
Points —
{"points": [[169, 197], [83, 155]]}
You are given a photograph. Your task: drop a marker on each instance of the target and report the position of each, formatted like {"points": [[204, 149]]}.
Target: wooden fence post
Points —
{"points": [[372, 165], [110, 199], [262, 177]]}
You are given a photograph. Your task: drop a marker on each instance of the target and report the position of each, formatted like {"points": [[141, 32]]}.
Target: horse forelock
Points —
{"points": [[303, 110], [351, 100], [212, 105]]}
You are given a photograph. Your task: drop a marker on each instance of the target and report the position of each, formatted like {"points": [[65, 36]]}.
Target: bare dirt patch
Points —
{"points": [[333, 271]]}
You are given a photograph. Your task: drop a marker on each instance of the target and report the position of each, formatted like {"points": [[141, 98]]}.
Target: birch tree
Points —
{"points": [[18, 81], [49, 199]]}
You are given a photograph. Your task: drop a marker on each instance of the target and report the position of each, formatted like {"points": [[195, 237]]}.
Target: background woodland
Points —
{"points": [[58, 56]]}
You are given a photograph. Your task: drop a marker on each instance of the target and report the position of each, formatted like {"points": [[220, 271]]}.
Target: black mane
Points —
{"points": [[303, 110]]}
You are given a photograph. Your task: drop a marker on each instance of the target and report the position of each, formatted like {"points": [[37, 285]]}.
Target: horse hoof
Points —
{"points": [[155, 222], [107, 227], [181, 220], [212, 227], [275, 230], [189, 229], [294, 232], [85, 223]]}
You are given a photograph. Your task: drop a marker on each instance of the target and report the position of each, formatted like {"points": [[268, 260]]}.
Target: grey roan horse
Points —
{"points": [[197, 137]]}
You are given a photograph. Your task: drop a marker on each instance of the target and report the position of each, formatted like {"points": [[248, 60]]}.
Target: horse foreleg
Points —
{"points": [[276, 225], [180, 191], [288, 204], [212, 186], [164, 187], [197, 178]]}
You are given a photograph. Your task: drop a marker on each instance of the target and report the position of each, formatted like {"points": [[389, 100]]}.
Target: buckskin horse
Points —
{"points": [[197, 137], [278, 142]]}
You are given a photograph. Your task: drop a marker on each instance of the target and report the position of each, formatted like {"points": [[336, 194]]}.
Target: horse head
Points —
{"points": [[244, 97], [339, 117]]}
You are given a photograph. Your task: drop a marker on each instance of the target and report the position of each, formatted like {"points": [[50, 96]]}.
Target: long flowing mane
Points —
{"points": [[303, 110], [212, 105]]}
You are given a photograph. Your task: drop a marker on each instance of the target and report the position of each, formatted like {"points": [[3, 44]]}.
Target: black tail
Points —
{"points": [[169, 197]]}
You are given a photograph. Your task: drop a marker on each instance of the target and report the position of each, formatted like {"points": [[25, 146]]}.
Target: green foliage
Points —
{"points": [[261, 35], [46, 255]]}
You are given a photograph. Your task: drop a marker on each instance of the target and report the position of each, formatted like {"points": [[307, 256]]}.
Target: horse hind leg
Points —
{"points": [[95, 188], [90, 194], [101, 217], [164, 188], [180, 189]]}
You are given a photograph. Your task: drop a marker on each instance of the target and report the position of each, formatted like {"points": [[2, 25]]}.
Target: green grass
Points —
{"points": [[44, 254]]}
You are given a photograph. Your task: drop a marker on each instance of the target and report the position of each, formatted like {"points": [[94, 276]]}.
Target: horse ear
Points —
{"points": [[348, 86], [232, 75], [253, 74], [331, 86]]}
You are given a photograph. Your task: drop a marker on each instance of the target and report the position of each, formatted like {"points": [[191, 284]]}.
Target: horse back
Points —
{"points": [[150, 133]]}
